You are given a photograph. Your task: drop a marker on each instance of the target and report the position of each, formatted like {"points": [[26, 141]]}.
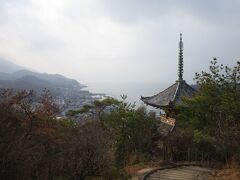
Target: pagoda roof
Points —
{"points": [[170, 96]]}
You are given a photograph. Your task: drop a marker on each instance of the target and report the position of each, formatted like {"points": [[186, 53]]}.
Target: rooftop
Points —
{"points": [[170, 96]]}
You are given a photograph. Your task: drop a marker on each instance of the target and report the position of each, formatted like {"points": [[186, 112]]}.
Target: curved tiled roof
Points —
{"points": [[171, 95]]}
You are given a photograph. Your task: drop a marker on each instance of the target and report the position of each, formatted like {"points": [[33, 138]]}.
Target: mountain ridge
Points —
{"points": [[8, 66], [12, 79]]}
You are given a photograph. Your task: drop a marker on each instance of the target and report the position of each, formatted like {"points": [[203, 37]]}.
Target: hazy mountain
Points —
{"points": [[26, 82], [9, 67], [55, 79], [67, 93], [25, 79], [5, 76], [15, 76]]}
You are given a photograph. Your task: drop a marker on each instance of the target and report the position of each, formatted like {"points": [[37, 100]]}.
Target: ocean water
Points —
{"points": [[134, 91]]}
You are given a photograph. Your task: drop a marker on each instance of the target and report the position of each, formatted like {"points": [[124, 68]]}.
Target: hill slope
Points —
{"points": [[27, 82], [26, 79], [55, 79], [9, 67]]}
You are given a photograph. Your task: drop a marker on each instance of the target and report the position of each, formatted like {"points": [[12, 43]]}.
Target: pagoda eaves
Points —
{"points": [[170, 96]]}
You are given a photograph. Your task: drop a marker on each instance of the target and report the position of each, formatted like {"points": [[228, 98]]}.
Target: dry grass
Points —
{"points": [[226, 174]]}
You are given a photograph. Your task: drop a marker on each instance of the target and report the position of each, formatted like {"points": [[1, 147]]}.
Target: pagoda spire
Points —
{"points": [[180, 59]]}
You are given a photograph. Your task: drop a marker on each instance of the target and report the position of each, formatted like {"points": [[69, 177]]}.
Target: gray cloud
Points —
{"points": [[120, 40], [139, 10]]}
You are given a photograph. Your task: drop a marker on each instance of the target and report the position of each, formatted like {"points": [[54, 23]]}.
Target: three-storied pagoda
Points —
{"points": [[170, 97]]}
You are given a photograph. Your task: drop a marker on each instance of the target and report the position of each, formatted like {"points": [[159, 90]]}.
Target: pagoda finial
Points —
{"points": [[180, 59]]}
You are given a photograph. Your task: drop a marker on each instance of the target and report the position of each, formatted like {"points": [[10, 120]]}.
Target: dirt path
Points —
{"points": [[181, 173]]}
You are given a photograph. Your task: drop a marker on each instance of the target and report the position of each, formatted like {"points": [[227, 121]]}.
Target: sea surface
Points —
{"points": [[134, 91]]}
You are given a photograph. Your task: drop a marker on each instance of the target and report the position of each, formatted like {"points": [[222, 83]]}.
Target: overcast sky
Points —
{"points": [[119, 40]]}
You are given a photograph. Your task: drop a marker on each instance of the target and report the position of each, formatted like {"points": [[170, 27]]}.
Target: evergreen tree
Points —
{"points": [[213, 113]]}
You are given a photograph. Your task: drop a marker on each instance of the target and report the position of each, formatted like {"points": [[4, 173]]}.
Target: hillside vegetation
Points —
{"points": [[36, 145]]}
